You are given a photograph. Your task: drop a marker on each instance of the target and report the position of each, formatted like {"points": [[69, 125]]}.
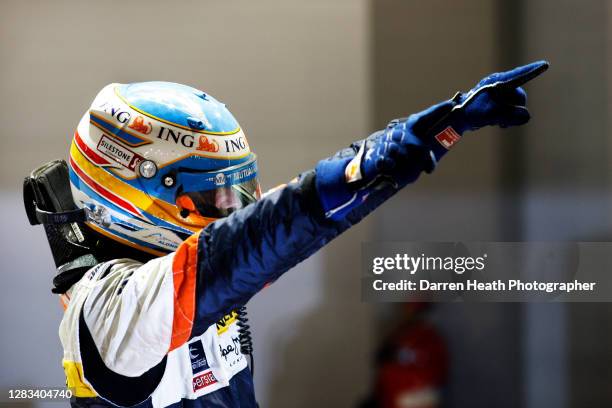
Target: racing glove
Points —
{"points": [[397, 155]]}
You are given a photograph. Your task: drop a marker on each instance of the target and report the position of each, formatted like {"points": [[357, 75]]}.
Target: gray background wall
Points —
{"points": [[304, 79], [444, 47], [294, 73]]}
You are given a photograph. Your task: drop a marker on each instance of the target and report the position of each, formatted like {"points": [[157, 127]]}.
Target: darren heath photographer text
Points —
{"points": [[474, 285], [458, 265]]}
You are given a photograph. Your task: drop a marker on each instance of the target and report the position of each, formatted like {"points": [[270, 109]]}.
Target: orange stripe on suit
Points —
{"points": [[184, 269]]}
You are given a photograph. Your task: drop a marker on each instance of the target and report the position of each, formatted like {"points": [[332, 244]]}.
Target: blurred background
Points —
{"points": [[305, 78]]}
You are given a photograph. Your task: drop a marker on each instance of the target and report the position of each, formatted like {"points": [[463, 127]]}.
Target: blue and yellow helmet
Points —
{"points": [[153, 162]]}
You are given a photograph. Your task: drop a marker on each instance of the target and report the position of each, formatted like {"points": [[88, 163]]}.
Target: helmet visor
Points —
{"points": [[222, 201], [218, 194]]}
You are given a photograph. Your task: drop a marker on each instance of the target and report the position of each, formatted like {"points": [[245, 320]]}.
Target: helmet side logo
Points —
{"points": [[176, 136], [220, 179], [117, 131], [139, 125], [119, 153], [236, 144], [205, 145], [223, 145]]}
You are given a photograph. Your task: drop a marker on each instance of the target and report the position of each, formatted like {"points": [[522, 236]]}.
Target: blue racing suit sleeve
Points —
{"points": [[238, 255]]}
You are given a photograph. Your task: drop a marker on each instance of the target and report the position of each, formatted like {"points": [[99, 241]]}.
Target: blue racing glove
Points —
{"points": [[407, 147]]}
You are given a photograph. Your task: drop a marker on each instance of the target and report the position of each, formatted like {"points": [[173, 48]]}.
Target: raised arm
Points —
{"points": [[237, 256], [135, 314]]}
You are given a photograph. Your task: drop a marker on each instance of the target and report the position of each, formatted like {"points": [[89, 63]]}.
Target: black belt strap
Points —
{"points": [[64, 217]]}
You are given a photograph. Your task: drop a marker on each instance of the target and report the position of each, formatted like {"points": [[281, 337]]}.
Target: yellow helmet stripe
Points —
{"points": [[157, 208]]}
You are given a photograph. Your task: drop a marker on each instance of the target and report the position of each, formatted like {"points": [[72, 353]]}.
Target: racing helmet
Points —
{"points": [[153, 162]]}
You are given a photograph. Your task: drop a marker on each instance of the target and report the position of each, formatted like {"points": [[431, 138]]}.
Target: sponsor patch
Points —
{"points": [[139, 125], [220, 179], [448, 137], [118, 153], [229, 340], [352, 172], [206, 145], [229, 348], [234, 145], [203, 380], [162, 241], [197, 356], [226, 321], [203, 376]]}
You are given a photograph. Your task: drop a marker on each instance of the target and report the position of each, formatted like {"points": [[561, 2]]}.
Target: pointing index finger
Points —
{"points": [[521, 75]]}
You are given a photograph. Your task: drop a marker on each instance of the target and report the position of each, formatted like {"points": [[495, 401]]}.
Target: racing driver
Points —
{"points": [[183, 237]]}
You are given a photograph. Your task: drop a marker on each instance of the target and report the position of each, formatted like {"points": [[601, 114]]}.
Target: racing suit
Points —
{"points": [[164, 333]]}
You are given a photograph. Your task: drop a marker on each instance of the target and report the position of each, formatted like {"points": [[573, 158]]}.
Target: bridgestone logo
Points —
{"points": [[118, 153]]}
